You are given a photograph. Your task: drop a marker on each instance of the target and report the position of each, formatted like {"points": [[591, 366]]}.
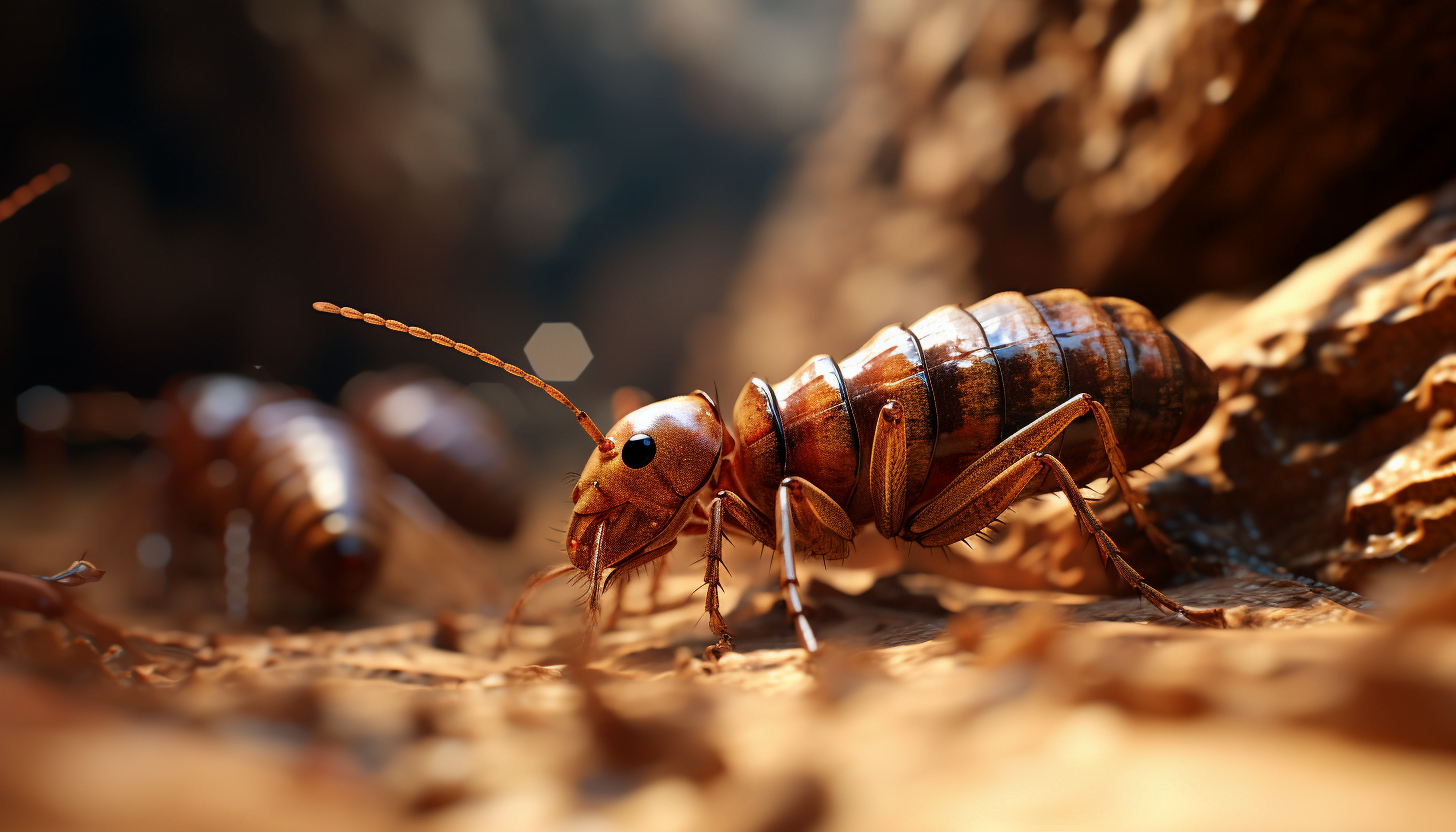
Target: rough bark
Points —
{"points": [[1153, 151], [1330, 452]]}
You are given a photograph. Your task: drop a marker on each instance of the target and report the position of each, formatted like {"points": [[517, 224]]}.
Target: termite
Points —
{"points": [[442, 438], [929, 431], [309, 475], [310, 485]]}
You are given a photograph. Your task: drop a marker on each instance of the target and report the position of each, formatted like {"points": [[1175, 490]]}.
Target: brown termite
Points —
{"points": [[310, 484], [929, 431], [442, 438], [310, 476]]}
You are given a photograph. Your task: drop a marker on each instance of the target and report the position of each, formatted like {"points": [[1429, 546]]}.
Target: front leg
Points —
{"points": [[748, 519]]}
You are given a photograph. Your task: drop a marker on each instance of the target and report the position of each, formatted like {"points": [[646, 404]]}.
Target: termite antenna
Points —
{"points": [[21, 197], [605, 444]]}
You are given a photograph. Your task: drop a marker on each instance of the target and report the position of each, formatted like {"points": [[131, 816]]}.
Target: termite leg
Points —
{"points": [[655, 589], [818, 513], [713, 564], [992, 483], [789, 580], [1117, 463], [977, 510], [531, 586], [887, 470], [1110, 554], [758, 528], [939, 516], [611, 622], [619, 608], [629, 567]]}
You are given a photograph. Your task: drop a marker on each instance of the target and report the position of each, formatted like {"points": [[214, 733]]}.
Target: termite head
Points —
{"points": [[635, 495], [640, 485]]}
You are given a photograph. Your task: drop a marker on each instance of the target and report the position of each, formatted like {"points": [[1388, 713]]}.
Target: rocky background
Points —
{"points": [[1188, 154], [1154, 150]]}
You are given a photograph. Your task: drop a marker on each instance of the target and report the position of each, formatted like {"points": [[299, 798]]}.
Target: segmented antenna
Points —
{"points": [[21, 197], [605, 444]]}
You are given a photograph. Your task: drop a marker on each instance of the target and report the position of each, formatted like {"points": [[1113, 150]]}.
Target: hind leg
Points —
{"points": [[992, 483], [1117, 464]]}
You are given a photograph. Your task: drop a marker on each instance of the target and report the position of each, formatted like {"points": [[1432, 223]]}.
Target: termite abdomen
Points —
{"points": [[446, 441], [313, 489], [968, 378]]}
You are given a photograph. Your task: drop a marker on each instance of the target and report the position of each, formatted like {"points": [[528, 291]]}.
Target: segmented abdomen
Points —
{"points": [[314, 490], [967, 378]]}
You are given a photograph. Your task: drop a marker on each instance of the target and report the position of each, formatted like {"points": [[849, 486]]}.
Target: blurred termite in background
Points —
{"points": [[444, 440], [250, 460], [929, 431], [256, 463]]}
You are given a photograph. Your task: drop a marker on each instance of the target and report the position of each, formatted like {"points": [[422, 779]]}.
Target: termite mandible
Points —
{"points": [[929, 431]]}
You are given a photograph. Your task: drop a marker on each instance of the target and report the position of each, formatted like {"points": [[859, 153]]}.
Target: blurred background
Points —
{"points": [[477, 168], [705, 188], [693, 191]]}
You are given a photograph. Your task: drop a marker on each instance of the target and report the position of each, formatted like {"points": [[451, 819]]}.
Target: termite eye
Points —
{"points": [[639, 451]]}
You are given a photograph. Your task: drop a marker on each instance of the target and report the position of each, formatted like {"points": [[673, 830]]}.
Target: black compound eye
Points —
{"points": [[639, 451]]}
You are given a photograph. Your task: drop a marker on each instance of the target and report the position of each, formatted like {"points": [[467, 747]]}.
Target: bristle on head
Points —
{"points": [[605, 444]]}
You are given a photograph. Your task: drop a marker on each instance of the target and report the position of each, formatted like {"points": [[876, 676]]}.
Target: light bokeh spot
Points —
{"points": [[45, 408], [154, 551], [558, 352]]}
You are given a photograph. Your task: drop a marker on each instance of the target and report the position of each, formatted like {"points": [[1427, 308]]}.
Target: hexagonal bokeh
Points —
{"points": [[558, 352]]}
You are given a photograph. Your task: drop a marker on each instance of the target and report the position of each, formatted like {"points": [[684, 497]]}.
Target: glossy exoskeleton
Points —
{"points": [[444, 440], [928, 431], [306, 477]]}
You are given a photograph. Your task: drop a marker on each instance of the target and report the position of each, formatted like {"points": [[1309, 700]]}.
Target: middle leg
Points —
{"points": [[823, 525]]}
